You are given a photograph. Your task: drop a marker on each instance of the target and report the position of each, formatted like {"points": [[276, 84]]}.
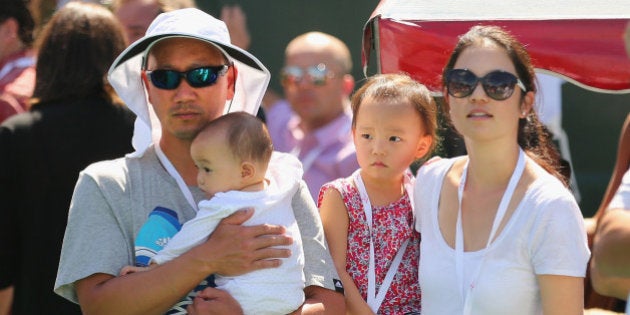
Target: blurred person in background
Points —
{"points": [[76, 119], [136, 15], [315, 120], [608, 277], [610, 262], [17, 58]]}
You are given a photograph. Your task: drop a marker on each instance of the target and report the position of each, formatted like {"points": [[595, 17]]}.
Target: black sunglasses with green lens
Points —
{"points": [[197, 78]]}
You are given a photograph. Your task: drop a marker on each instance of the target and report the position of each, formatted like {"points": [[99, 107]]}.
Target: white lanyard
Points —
{"points": [[466, 289], [18, 63], [374, 300], [178, 178]]}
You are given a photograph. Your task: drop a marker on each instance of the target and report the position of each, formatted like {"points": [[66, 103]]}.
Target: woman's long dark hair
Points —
{"points": [[75, 50], [533, 137]]}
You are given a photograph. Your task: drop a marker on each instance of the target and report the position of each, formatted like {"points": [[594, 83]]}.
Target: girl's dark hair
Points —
{"points": [[18, 9], [533, 136], [75, 51], [400, 88]]}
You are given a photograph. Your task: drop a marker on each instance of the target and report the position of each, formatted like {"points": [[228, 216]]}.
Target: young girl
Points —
{"points": [[501, 233], [367, 218]]}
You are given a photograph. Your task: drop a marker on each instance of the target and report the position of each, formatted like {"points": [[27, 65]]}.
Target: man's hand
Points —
{"points": [[234, 249], [214, 301], [126, 270]]}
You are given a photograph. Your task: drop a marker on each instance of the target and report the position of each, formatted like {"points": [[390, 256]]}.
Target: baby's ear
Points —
{"points": [[248, 170]]}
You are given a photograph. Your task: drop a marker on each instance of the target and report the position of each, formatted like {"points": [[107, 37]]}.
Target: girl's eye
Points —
{"points": [[366, 136], [207, 170], [394, 139]]}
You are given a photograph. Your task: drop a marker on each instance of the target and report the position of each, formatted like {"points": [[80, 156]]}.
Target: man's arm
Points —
{"points": [[611, 244], [609, 286], [610, 262], [232, 249], [610, 259], [319, 269]]}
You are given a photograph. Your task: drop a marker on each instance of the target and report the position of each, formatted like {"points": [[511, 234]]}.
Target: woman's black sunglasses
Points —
{"points": [[197, 78], [498, 85]]}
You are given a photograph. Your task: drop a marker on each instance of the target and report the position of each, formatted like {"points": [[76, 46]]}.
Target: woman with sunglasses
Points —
{"points": [[501, 233]]}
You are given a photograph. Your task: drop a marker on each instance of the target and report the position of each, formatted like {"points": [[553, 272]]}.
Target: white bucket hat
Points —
{"points": [[124, 74]]}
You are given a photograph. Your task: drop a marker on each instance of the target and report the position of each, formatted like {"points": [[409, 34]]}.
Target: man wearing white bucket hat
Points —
{"points": [[182, 74]]}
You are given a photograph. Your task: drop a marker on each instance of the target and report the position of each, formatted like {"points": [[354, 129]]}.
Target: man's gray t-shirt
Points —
{"points": [[113, 199]]}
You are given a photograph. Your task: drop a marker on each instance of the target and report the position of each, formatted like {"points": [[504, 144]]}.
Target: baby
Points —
{"points": [[238, 169]]}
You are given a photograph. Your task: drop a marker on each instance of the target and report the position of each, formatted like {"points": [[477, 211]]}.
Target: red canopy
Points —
{"points": [[584, 43]]}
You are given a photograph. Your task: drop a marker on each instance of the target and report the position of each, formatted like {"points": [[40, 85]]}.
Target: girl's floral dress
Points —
{"points": [[392, 225]]}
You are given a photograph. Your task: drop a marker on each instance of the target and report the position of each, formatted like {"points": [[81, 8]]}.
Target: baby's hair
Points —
{"points": [[247, 136], [399, 88]]}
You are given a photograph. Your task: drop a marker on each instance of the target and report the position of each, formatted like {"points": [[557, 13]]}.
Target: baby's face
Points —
{"points": [[217, 168]]}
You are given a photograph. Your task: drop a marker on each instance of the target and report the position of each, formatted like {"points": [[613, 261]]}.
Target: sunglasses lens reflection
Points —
{"points": [[201, 77], [197, 78], [164, 79], [461, 83], [498, 85], [316, 75]]}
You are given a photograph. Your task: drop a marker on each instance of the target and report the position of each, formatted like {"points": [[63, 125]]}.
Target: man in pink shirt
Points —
{"points": [[315, 120]]}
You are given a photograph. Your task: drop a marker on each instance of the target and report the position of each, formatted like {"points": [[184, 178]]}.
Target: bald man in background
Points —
{"points": [[314, 121]]}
